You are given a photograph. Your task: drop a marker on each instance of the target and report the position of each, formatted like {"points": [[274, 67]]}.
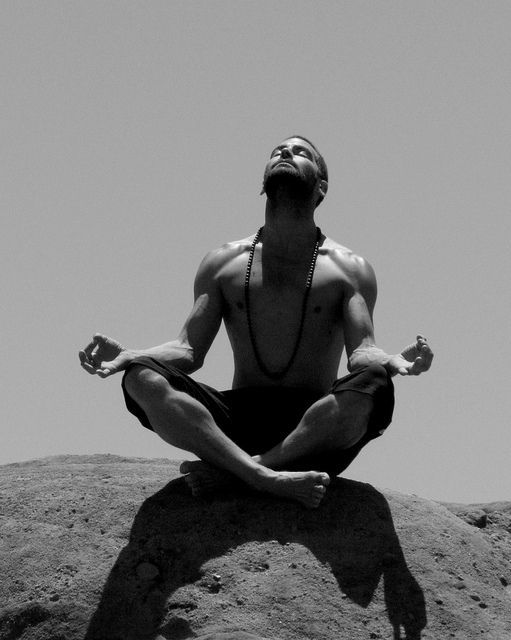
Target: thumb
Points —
{"points": [[105, 372], [418, 366], [109, 368]]}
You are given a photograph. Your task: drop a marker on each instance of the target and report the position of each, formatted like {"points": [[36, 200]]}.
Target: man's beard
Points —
{"points": [[291, 182]]}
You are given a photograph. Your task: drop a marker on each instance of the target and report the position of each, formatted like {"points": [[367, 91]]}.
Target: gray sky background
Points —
{"points": [[134, 137]]}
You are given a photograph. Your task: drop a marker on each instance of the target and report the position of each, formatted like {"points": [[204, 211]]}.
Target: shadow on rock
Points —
{"points": [[359, 542], [173, 536]]}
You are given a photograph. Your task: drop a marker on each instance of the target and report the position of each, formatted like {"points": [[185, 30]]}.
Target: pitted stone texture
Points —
{"points": [[108, 548]]}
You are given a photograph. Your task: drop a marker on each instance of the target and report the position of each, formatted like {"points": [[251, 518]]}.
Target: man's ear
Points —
{"points": [[322, 188]]}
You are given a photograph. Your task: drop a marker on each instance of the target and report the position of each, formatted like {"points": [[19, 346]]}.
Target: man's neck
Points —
{"points": [[289, 227]]}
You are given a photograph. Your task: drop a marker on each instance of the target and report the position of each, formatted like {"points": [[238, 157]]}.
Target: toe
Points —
{"points": [[325, 479], [191, 466], [185, 467], [194, 485], [316, 499]]}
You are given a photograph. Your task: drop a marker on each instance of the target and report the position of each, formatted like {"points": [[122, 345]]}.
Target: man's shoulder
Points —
{"points": [[231, 249], [355, 271], [218, 258], [345, 258]]}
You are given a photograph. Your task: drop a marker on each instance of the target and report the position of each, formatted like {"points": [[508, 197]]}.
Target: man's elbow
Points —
{"points": [[195, 358], [185, 358], [195, 363]]}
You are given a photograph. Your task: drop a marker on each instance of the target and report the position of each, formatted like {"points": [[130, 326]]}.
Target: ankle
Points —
{"points": [[261, 477]]}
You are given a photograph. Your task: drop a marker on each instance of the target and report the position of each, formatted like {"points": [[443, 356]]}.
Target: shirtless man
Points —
{"points": [[292, 300]]}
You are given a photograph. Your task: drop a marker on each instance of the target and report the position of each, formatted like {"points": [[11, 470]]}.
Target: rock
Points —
{"points": [[231, 635], [145, 561], [474, 516]]}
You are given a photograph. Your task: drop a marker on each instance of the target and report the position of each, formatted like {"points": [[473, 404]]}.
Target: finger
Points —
{"points": [[421, 342], [425, 351], [105, 372], [93, 346], [88, 367], [106, 368], [419, 366], [424, 348], [427, 357], [85, 361], [90, 348]]}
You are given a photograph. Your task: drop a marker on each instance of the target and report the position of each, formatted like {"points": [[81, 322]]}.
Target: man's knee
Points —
{"points": [[344, 418], [379, 373], [143, 383]]}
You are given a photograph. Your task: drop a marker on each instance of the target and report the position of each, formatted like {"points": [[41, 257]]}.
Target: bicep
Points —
{"points": [[204, 321], [358, 310]]}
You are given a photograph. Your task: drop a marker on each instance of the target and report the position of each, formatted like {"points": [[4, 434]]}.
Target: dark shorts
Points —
{"points": [[258, 418]]}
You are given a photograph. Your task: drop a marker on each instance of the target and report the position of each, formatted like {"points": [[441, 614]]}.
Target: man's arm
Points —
{"points": [[104, 356], [361, 349]]}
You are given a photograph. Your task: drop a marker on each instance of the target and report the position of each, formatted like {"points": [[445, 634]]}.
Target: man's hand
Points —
{"points": [[104, 356], [413, 360]]}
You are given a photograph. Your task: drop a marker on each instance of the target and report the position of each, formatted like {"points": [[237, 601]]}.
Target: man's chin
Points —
{"points": [[287, 180]]}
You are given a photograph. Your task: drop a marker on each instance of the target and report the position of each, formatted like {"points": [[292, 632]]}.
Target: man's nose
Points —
{"points": [[285, 152]]}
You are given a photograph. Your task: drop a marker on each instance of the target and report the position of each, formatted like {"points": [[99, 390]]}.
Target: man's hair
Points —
{"points": [[323, 170]]}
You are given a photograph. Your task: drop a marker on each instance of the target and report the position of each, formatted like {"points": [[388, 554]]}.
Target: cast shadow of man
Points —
{"points": [[174, 535]]}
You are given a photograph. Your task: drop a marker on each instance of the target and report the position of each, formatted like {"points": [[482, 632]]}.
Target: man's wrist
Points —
{"points": [[131, 354], [171, 353], [365, 356], [390, 365]]}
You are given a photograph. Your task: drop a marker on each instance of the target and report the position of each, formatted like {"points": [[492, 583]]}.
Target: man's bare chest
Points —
{"points": [[278, 292]]}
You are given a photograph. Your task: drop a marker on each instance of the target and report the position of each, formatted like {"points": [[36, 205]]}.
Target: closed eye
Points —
{"points": [[303, 152], [296, 150]]}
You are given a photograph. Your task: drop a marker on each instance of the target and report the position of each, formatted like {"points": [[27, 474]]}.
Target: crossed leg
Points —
{"points": [[334, 423], [184, 422]]}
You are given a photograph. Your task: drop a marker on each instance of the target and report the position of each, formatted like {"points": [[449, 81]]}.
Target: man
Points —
{"points": [[292, 300]]}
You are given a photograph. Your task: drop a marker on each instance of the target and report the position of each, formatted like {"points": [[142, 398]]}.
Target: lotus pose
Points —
{"points": [[292, 300]]}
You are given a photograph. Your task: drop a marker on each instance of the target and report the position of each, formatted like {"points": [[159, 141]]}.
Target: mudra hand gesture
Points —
{"points": [[413, 360], [104, 356]]}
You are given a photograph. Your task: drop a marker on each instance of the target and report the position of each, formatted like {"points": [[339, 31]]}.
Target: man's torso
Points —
{"points": [[277, 289]]}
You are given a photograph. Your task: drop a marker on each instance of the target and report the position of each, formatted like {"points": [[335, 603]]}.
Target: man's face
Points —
{"points": [[293, 164]]}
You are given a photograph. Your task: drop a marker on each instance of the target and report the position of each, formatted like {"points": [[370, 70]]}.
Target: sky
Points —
{"points": [[134, 138]]}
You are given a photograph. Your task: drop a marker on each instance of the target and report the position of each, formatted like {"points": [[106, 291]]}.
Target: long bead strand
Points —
{"points": [[277, 375]]}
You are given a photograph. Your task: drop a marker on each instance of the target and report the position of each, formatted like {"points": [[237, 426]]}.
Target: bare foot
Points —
{"points": [[203, 478], [307, 487]]}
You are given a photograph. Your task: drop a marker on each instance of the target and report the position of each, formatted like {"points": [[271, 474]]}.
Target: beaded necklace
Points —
{"points": [[277, 375]]}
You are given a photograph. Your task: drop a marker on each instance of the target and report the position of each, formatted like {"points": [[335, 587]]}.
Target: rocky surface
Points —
{"points": [[109, 548]]}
